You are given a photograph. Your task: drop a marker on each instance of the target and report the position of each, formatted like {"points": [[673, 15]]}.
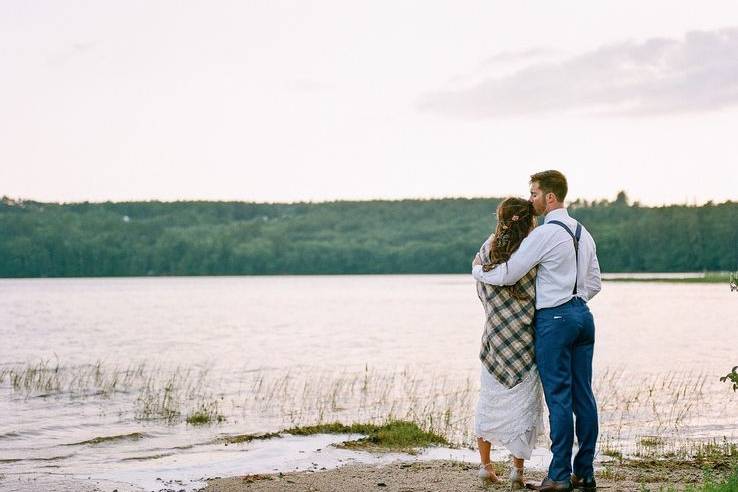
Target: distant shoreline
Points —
{"points": [[667, 277], [684, 277], [405, 237]]}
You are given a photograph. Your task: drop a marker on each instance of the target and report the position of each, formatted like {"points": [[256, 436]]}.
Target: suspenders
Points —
{"points": [[575, 237]]}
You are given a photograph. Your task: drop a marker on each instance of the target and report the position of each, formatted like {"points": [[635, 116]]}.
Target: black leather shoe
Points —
{"points": [[587, 484], [549, 485]]}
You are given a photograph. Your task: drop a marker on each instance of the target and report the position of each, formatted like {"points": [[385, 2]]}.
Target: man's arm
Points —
{"points": [[592, 278], [528, 255]]}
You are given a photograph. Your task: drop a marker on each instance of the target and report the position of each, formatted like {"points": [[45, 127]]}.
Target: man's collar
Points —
{"points": [[559, 213]]}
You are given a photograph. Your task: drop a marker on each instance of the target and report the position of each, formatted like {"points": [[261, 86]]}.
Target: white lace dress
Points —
{"points": [[511, 417]]}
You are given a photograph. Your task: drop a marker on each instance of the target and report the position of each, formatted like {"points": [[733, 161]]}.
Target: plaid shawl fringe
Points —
{"points": [[508, 342]]}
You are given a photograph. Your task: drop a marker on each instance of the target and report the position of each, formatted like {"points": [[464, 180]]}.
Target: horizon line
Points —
{"points": [[6, 198]]}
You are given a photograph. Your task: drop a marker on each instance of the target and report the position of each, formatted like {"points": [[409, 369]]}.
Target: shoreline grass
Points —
{"points": [[393, 435], [244, 438], [711, 467], [204, 416], [729, 484], [708, 278], [644, 416], [133, 436]]}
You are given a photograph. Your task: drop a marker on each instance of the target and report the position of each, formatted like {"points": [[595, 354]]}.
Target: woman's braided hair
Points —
{"points": [[515, 219]]}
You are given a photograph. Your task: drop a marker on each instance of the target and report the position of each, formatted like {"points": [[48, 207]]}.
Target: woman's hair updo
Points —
{"points": [[515, 219]]}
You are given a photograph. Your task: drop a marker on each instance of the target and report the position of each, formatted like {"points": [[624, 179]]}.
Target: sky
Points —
{"points": [[274, 101]]}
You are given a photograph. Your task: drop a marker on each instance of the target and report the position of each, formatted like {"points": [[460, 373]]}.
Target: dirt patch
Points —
{"points": [[451, 476]]}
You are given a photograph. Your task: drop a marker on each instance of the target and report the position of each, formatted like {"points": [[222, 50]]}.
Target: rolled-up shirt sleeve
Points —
{"points": [[527, 256]]}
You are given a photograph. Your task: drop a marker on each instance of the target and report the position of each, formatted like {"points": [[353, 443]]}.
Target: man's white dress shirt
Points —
{"points": [[551, 248]]}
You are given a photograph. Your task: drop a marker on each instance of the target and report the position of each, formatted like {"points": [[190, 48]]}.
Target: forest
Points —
{"points": [[342, 237]]}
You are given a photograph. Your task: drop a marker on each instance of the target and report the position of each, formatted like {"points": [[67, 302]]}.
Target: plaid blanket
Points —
{"points": [[508, 350]]}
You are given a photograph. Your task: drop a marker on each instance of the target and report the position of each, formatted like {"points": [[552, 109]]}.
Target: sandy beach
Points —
{"points": [[443, 476]]}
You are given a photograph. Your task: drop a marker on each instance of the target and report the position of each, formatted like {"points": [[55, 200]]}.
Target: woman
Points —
{"points": [[510, 405]]}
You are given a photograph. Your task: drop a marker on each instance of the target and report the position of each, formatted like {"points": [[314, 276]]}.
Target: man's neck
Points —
{"points": [[556, 206]]}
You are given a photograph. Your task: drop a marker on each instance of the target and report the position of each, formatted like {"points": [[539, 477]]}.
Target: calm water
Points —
{"points": [[270, 352]]}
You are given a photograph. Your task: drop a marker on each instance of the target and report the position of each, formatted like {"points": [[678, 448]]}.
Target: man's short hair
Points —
{"points": [[551, 182]]}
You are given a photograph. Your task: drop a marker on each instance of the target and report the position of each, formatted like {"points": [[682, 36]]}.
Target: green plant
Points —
{"points": [[732, 376], [392, 435], [205, 415]]}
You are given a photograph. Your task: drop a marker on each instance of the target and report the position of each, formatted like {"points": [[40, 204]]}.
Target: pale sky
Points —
{"points": [[292, 101]]}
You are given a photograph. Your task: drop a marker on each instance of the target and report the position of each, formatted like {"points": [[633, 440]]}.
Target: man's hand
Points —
{"points": [[477, 260]]}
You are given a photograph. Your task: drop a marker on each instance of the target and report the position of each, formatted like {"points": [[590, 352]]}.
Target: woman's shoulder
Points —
{"points": [[487, 244]]}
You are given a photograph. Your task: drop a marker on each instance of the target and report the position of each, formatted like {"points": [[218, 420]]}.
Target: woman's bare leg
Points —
{"points": [[484, 456], [484, 450]]}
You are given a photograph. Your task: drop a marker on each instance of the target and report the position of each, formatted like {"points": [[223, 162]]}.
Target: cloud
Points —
{"points": [[658, 76], [502, 62], [517, 56]]}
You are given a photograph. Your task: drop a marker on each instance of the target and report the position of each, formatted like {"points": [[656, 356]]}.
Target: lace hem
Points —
{"points": [[509, 414]]}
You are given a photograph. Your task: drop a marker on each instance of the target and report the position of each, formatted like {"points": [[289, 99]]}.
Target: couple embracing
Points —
{"points": [[534, 283]]}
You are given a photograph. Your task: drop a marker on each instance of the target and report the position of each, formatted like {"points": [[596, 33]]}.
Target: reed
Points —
{"points": [[643, 416]]}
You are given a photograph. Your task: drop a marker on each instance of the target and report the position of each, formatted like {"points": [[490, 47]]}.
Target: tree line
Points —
{"points": [[343, 237]]}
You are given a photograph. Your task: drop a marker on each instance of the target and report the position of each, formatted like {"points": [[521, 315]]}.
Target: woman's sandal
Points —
{"points": [[516, 479], [487, 473]]}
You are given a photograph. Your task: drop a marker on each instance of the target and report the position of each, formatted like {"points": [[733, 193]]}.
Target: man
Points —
{"points": [[568, 276]]}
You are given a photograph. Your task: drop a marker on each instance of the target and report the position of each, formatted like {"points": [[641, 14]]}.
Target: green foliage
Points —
{"points": [[729, 484], [395, 434], [204, 416], [407, 236], [732, 377]]}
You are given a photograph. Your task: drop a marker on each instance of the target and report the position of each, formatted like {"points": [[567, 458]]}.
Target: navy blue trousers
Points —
{"points": [[565, 338]]}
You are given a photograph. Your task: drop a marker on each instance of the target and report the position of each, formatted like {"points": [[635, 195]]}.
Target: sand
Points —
{"points": [[428, 476]]}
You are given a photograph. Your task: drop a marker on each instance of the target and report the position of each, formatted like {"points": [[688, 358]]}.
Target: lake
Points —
{"points": [[99, 375]]}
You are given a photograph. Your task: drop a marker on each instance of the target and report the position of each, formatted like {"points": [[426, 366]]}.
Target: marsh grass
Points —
{"points": [[205, 415], [394, 435], [612, 453], [437, 403], [654, 414], [198, 418], [708, 278], [157, 394], [715, 452], [245, 438], [702, 467], [47, 378], [729, 484], [147, 457], [133, 436], [651, 441], [643, 416]]}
